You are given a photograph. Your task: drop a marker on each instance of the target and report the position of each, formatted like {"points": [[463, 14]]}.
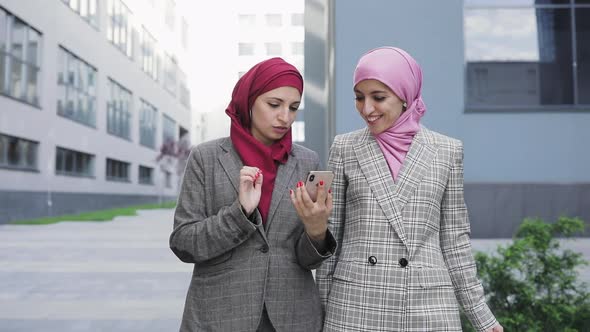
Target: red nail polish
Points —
{"points": [[291, 191], [329, 191], [321, 182], [299, 184]]}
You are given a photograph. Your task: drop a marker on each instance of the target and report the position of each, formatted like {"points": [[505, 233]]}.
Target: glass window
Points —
{"points": [[76, 96], [32, 84], [168, 129], [19, 59], [18, 153], [246, 49], [16, 79], [297, 48], [297, 19], [119, 31], [184, 92], [3, 50], [73, 163], [184, 34], [168, 179], [3, 65], [119, 110], [33, 47], [3, 30], [247, 20], [148, 62], [117, 170], [85, 8], [170, 69], [523, 58], [170, 14], [146, 175], [147, 125], [273, 48], [583, 53], [17, 48], [274, 20], [513, 3], [3, 149]]}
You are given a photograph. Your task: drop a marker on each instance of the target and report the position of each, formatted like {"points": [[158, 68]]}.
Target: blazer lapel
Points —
{"points": [[414, 167], [376, 171], [231, 163], [282, 180]]}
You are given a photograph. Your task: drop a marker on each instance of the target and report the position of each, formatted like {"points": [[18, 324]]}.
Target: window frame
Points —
{"points": [[8, 88], [574, 107], [22, 164]]}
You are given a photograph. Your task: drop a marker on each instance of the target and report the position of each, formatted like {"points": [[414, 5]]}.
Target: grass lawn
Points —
{"points": [[102, 215]]}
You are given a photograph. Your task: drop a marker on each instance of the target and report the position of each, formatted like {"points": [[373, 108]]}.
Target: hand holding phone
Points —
{"points": [[313, 179]]}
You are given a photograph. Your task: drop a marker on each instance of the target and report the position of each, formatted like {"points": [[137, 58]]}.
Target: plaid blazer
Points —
{"points": [[404, 261], [240, 265]]}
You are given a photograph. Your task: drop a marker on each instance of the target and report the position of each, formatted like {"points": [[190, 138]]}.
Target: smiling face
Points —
{"points": [[273, 113], [377, 105]]}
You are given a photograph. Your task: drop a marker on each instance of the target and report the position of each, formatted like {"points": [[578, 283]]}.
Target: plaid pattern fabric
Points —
{"points": [[238, 265], [404, 261]]}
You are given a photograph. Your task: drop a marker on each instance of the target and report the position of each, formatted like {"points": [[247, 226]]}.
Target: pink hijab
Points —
{"points": [[396, 69]]}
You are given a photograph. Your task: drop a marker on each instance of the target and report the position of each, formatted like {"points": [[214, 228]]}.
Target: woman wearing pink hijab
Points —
{"points": [[404, 261]]}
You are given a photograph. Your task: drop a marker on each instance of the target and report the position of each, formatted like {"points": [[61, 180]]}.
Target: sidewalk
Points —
{"points": [[92, 276], [108, 276]]}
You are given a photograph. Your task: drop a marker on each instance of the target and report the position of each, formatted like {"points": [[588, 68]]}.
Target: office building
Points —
{"points": [[89, 92]]}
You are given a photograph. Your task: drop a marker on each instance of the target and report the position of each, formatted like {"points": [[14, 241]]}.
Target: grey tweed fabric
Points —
{"points": [[241, 265]]}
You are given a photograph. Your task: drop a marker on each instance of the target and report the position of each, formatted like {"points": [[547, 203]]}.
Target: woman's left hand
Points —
{"points": [[497, 328], [314, 215]]}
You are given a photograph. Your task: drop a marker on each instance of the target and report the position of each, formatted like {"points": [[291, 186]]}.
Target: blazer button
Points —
{"points": [[264, 249], [372, 260], [403, 262]]}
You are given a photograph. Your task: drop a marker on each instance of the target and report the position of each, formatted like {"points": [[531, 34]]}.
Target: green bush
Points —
{"points": [[531, 285]]}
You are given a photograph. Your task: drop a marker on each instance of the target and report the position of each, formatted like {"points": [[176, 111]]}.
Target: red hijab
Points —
{"points": [[263, 77]]}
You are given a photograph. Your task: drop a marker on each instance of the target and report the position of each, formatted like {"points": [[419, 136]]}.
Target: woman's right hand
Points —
{"points": [[250, 189]]}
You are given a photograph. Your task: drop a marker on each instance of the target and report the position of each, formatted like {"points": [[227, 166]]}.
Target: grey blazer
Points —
{"points": [[405, 260], [241, 265]]}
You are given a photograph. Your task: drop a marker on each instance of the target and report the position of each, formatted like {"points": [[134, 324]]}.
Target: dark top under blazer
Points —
{"points": [[238, 264]]}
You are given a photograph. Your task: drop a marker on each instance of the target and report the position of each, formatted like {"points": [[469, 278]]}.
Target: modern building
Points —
{"points": [[89, 92], [511, 79], [243, 34]]}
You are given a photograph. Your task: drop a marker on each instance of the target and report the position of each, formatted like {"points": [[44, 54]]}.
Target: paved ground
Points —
{"points": [[86, 276], [106, 276]]}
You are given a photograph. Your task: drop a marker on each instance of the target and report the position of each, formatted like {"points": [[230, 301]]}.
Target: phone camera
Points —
{"points": [[311, 177]]}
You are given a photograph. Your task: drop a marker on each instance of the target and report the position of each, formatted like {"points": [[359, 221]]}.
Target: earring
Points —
{"points": [[250, 114], [404, 106]]}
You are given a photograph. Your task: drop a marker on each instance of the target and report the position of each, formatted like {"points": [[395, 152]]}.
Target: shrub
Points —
{"points": [[531, 285]]}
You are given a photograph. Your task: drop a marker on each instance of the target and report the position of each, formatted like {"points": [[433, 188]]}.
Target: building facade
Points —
{"points": [[244, 33], [511, 79], [89, 93]]}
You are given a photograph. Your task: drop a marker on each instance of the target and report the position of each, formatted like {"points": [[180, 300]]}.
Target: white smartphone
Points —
{"points": [[314, 178]]}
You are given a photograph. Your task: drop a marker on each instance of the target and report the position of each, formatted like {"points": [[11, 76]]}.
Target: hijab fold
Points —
{"points": [[401, 73], [263, 77]]}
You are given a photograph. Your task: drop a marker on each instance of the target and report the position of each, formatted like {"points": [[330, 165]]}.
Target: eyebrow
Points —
{"points": [[372, 92], [281, 100]]}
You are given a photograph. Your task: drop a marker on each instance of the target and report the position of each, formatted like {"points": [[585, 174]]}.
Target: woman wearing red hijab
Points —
{"points": [[245, 220]]}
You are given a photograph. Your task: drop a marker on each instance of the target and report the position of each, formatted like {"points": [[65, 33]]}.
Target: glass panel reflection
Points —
{"points": [[583, 54], [518, 57]]}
